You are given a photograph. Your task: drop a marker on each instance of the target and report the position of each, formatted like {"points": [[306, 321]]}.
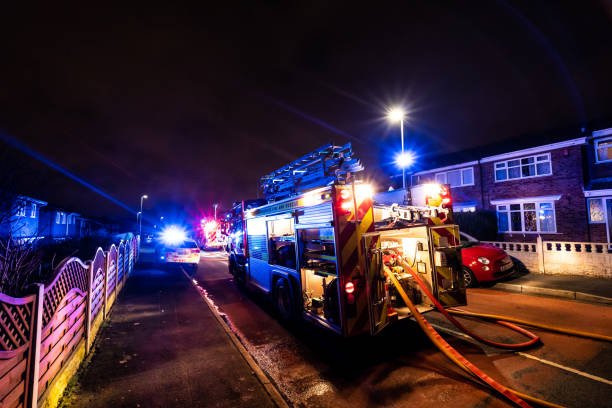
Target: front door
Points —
{"points": [[609, 218]]}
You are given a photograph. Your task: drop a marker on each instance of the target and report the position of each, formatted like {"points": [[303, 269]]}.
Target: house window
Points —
{"points": [[33, 212], [457, 178], [60, 217], [603, 150], [526, 217], [596, 211], [464, 207], [21, 212], [524, 167]]}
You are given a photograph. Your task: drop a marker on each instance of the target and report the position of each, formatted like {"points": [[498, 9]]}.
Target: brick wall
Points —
{"points": [[567, 179], [464, 194]]}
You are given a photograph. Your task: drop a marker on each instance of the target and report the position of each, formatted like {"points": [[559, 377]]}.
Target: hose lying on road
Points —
{"points": [[572, 332], [513, 395]]}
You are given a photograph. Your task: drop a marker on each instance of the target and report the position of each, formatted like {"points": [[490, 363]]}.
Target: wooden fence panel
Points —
{"points": [[97, 287], [16, 321], [64, 314], [41, 336], [111, 278]]}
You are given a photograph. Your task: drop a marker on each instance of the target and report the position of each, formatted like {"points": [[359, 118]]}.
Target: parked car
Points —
{"points": [[483, 262], [186, 252]]}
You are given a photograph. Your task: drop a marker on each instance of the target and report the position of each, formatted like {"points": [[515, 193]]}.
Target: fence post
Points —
{"points": [[90, 275], [106, 258], [116, 278], [34, 363], [540, 249]]}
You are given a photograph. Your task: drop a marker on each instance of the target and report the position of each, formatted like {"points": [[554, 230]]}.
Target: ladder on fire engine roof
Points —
{"points": [[316, 169]]}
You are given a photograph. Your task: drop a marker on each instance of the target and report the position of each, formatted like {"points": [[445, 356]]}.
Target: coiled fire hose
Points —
{"points": [[450, 352]]}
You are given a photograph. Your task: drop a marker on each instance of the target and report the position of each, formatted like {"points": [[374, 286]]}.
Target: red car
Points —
{"points": [[483, 262]]}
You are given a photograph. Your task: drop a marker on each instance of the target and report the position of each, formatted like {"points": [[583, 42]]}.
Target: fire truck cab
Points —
{"points": [[319, 253]]}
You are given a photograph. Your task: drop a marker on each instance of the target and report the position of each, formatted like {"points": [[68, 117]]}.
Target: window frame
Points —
{"points": [[33, 211], [597, 142], [521, 211], [520, 166], [21, 212], [460, 170], [603, 207]]}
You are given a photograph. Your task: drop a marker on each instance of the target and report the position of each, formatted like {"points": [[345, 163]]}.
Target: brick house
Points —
{"points": [[23, 222], [561, 191]]}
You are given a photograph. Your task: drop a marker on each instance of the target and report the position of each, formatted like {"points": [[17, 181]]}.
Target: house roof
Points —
{"points": [[432, 162]]}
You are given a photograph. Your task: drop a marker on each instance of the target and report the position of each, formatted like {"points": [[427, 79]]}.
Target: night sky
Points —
{"points": [[193, 105]]}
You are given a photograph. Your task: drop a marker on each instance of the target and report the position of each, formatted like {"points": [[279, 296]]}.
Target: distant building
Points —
{"points": [[59, 224], [561, 190], [23, 222]]}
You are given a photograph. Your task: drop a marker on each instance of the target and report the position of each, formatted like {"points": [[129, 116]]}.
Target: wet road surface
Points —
{"points": [[401, 368]]}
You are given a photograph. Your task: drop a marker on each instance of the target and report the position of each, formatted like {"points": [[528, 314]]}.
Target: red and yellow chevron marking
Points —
{"points": [[350, 226]]}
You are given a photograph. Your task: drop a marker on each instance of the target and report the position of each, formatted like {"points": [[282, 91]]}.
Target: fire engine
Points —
{"points": [[213, 234], [321, 249]]}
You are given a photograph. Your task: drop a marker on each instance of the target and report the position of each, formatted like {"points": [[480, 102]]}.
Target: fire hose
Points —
{"points": [[456, 357]]}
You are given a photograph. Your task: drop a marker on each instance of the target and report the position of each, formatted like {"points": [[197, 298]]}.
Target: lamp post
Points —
{"points": [[397, 115], [142, 198], [215, 205]]}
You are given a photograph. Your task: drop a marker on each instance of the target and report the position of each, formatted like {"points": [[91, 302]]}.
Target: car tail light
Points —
{"points": [[195, 251]]}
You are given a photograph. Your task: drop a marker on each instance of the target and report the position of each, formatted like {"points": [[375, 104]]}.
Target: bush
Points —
{"points": [[22, 264], [481, 224]]}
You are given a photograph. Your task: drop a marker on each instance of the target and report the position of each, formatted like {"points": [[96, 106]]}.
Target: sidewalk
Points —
{"points": [[164, 347], [591, 290]]}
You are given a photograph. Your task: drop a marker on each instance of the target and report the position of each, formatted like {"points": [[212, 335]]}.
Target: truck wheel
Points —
{"points": [[284, 300]]}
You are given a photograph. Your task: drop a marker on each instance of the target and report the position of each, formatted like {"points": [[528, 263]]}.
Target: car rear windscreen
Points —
{"points": [[189, 244]]}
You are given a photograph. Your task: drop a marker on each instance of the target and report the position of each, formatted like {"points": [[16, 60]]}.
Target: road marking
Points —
{"points": [[562, 367], [541, 360]]}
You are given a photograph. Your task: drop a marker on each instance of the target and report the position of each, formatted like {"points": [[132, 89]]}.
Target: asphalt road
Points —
{"points": [[401, 368]]}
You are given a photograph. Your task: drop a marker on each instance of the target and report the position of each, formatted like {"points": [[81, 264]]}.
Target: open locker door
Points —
{"points": [[378, 299], [450, 287]]}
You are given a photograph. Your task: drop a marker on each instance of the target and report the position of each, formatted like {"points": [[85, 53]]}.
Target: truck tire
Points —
{"points": [[284, 299]]}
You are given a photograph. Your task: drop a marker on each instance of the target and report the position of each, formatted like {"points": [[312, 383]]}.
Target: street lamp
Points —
{"points": [[142, 197], [215, 205], [397, 115]]}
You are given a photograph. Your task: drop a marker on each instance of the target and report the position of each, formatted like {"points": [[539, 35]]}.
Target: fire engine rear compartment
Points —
{"points": [[318, 273], [412, 246]]}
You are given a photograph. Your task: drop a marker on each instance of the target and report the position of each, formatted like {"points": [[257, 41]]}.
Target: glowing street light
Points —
{"points": [[405, 160], [142, 197], [397, 115], [215, 205]]}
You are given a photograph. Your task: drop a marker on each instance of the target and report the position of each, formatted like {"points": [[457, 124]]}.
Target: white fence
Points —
{"points": [[559, 257]]}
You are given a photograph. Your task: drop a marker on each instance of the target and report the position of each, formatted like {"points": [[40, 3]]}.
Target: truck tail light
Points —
{"points": [[344, 201], [349, 287], [438, 195]]}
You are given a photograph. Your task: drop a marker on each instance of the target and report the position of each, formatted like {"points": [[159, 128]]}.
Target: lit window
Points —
{"points": [[457, 178], [58, 217], [526, 217], [464, 207], [524, 167], [603, 150], [21, 212], [596, 211], [33, 212], [63, 218]]}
